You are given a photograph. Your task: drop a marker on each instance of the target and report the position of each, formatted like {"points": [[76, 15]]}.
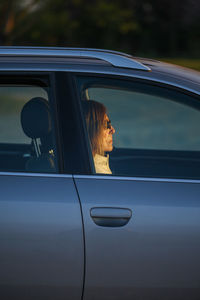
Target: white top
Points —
{"points": [[101, 164]]}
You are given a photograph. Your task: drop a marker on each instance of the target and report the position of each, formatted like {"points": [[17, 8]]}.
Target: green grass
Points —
{"points": [[184, 62]]}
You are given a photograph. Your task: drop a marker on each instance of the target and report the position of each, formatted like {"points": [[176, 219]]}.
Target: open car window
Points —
{"points": [[156, 128], [27, 141]]}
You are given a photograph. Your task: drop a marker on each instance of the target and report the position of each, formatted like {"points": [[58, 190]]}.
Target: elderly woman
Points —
{"points": [[100, 133]]}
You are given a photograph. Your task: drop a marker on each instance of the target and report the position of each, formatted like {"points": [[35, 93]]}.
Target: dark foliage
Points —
{"points": [[148, 27]]}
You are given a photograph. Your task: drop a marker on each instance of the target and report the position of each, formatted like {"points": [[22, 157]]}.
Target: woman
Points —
{"points": [[100, 133]]}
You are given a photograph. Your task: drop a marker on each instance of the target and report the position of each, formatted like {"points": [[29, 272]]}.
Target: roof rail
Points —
{"points": [[117, 59]]}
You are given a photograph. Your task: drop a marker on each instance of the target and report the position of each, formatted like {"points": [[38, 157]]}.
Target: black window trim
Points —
{"points": [[147, 81], [75, 154]]}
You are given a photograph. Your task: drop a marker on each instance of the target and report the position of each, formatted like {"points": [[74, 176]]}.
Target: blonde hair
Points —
{"points": [[94, 115]]}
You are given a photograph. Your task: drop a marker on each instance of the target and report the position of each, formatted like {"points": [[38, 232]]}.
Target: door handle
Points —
{"points": [[110, 216]]}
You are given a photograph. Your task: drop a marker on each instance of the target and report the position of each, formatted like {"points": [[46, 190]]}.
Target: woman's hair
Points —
{"points": [[94, 113]]}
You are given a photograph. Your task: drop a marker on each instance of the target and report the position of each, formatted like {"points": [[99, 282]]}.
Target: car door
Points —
{"points": [[142, 223], [41, 237]]}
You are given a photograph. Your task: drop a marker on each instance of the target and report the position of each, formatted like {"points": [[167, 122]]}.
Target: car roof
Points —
{"points": [[99, 61], [172, 69]]}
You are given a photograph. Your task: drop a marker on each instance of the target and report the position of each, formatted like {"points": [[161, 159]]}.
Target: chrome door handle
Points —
{"points": [[110, 216]]}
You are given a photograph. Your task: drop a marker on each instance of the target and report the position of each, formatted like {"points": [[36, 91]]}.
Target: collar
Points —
{"points": [[102, 164]]}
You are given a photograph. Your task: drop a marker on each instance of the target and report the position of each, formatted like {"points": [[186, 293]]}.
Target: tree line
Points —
{"points": [[149, 27]]}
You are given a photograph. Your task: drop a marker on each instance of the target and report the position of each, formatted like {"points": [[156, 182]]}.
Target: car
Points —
{"points": [[67, 232]]}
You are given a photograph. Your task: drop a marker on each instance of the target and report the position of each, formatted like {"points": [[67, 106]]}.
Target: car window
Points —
{"points": [[27, 142], [146, 121], [156, 128]]}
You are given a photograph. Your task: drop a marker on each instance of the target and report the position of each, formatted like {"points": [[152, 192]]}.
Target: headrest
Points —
{"points": [[36, 118]]}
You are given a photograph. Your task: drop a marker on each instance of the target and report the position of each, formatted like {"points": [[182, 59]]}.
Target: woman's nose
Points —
{"points": [[112, 129]]}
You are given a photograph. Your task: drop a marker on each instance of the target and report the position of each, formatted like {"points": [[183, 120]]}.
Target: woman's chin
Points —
{"points": [[109, 149]]}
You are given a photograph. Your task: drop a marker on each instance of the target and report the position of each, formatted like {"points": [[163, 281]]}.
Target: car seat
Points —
{"points": [[37, 124]]}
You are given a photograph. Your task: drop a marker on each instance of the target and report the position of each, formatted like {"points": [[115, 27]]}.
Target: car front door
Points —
{"points": [[142, 223], [41, 238]]}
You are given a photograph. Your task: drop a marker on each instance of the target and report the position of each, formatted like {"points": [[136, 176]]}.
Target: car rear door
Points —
{"points": [[142, 224], [41, 237]]}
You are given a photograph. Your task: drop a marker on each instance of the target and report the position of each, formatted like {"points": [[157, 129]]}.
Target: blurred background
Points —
{"points": [[168, 30]]}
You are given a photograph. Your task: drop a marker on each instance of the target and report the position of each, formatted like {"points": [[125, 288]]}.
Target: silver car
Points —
{"points": [[69, 232]]}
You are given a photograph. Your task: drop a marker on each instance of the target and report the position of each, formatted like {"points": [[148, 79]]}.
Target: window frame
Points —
{"points": [[72, 135], [148, 82]]}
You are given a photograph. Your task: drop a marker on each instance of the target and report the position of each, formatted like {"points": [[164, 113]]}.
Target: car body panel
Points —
{"points": [[41, 236], [154, 256]]}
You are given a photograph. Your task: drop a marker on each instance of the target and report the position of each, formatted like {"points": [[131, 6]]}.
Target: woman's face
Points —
{"points": [[107, 135]]}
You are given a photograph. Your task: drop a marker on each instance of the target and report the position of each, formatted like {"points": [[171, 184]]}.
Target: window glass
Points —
{"points": [[146, 121], [156, 130], [27, 141]]}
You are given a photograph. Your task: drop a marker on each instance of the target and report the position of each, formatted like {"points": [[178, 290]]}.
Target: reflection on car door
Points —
{"points": [[154, 256], [41, 253]]}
